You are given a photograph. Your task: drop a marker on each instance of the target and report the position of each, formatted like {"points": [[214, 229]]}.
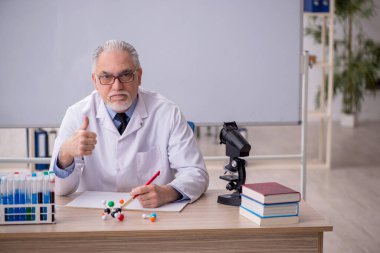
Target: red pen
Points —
{"points": [[153, 178], [147, 183]]}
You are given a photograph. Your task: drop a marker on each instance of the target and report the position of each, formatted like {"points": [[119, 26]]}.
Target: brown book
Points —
{"points": [[270, 193]]}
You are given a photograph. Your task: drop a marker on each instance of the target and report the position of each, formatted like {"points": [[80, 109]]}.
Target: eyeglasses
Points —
{"points": [[127, 77]]}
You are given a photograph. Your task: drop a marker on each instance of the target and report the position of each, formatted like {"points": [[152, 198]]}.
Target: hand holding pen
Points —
{"points": [[151, 195], [133, 196]]}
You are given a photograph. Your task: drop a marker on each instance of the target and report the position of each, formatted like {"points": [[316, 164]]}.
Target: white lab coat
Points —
{"points": [[156, 138]]}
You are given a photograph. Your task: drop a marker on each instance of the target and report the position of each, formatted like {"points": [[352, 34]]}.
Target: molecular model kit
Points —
{"points": [[116, 212], [109, 208]]}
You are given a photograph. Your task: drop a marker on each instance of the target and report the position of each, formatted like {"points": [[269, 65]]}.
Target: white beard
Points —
{"points": [[119, 106]]}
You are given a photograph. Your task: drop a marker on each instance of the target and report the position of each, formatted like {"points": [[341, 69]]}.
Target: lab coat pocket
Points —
{"points": [[148, 163]]}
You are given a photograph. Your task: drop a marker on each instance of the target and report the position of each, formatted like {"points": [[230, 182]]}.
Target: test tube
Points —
{"points": [[46, 191], [34, 194], [10, 197], [1, 191], [4, 196], [16, 196], [28, 196], [52, 193], [3, 199], [22, 191], [40, 193]]}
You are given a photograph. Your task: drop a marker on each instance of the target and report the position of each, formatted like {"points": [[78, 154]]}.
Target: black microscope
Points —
{"points": [[236, 146]]}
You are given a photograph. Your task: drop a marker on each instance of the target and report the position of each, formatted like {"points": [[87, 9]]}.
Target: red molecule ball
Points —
{"points": [[121, 217]]}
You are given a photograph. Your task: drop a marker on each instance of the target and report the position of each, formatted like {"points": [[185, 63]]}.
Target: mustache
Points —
{"points": [[115, 93]]}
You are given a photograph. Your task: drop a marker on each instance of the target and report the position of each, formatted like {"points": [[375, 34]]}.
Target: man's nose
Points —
{"points": [[117, 85]]}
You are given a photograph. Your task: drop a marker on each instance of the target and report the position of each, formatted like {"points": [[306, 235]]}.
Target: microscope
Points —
{"points": [[236, 146]]}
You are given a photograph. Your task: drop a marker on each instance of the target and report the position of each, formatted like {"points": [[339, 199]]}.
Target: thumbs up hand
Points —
{"points": [[85, 123], [81, 143]]}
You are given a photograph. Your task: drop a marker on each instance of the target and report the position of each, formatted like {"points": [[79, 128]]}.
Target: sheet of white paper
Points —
{"points": [[93, 199]]}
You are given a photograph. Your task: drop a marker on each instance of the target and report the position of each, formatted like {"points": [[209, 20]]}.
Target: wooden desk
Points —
{"points": [[204, 226]]}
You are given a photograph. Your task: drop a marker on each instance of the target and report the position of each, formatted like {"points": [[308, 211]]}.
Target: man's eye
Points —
{"points": [[106, 77], [126, 75]]}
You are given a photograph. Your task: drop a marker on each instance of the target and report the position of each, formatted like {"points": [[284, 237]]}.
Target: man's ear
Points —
{"points": [[93, 77], [139, 75]]}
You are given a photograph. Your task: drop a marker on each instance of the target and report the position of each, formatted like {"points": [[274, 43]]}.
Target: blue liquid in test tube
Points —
{"points": [[4, 196], [10, 197], [40, 178], [16, 190], [28, 196], [34, 194], [22, 196], [46, 192], [52, 193]]}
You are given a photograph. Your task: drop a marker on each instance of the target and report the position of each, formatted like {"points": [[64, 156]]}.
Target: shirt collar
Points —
{"points": [[129, 112]]}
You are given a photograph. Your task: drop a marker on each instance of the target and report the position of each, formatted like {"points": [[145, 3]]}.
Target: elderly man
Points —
{"points": [[116, 138]]}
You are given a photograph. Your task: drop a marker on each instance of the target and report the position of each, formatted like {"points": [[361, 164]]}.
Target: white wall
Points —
{"points": [[370, 106], [225, 52]]}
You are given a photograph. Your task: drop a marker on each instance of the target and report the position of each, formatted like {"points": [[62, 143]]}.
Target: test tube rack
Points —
{"points": [[27, 214]]}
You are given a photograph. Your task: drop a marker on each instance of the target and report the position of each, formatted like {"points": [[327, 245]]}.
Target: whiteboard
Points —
{"points": [[219, 60]]}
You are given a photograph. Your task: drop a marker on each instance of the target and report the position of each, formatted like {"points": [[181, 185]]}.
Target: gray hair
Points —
{"points": [[116, 45]]}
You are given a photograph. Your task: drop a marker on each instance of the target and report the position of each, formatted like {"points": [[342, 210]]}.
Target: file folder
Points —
{"points": [[41, 145], [316, 5]]}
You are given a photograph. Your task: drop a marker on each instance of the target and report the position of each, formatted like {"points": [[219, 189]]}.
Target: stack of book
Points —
{"points": [[270, 203]]}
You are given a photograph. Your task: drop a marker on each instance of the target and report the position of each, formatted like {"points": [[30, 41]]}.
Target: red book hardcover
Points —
{"points": [[270, 193]]}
